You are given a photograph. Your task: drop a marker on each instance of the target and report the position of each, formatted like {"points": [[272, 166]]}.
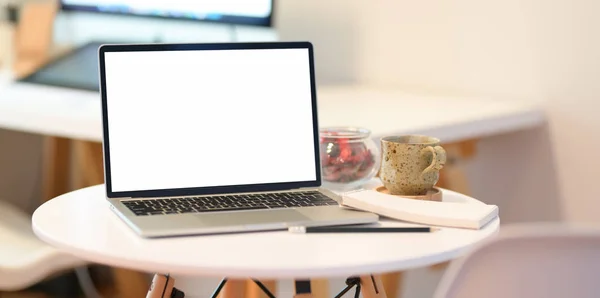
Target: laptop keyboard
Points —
{"points": [[228, 203]]}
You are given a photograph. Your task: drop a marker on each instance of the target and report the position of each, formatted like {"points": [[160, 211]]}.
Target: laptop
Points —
{"points": [[214, 138]]}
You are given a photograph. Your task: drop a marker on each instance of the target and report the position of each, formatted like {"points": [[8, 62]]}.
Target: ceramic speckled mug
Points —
{"points": [[410, 165]]}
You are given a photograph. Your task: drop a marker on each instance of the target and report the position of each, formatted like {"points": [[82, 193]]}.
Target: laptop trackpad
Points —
{"points": [[251, 217]]}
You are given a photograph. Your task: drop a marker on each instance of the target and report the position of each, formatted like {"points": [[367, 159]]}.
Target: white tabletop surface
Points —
{"points": [[76, 114], [81, 223]]}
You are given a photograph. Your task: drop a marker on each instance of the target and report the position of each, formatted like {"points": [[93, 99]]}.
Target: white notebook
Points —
{"points": [[454, 212]]}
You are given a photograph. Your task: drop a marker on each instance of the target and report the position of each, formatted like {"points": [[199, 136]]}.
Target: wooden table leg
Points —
{"points": [[372, 286], [57, 167], [89, 164], [254, 291]]}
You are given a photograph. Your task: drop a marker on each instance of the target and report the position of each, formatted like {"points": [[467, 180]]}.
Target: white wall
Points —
{"points": [[461, 46], [568, 45], [332, 26]]}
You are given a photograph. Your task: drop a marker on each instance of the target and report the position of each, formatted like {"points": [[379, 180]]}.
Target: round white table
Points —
{"points": [[81, 223]]}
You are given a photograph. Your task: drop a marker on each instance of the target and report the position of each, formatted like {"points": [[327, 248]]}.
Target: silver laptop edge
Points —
{"points": [[315, 216]]}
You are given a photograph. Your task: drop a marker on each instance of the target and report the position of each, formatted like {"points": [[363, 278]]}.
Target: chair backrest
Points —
{"points": [[533, 261]]}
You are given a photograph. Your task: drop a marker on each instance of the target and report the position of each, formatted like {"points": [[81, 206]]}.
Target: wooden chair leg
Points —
{"points": [[234, 288], [372, 286], [254, 291]]}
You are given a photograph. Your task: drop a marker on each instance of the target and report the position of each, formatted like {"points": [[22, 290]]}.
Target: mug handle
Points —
{"points": [[438, 159]]}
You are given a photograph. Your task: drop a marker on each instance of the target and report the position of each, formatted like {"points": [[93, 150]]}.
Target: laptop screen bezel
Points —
{"points": [[210, 189]]}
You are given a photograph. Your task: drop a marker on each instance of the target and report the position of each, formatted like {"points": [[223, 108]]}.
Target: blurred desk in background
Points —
{"points": [[72, 119]]}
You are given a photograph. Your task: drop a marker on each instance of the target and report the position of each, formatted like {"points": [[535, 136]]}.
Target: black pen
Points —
{"points": [[339, 229]]}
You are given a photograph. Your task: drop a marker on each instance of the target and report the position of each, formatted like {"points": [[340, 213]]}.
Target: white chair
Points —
{"points": [[533, 261], [26, 260]]}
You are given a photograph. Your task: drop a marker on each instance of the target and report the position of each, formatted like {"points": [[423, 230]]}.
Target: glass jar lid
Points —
{"points": [[349, 133]]}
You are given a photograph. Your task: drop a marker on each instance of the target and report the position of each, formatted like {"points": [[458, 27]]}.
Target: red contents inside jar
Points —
{"points": [[344, 160]]}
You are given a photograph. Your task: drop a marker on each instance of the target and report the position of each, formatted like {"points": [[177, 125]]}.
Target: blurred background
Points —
{"points": [[546, 52]]}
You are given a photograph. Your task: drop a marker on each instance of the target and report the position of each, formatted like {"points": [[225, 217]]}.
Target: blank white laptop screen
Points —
{"points": [[180, 119]]}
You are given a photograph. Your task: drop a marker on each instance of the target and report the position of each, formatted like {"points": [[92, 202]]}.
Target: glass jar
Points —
{"points": [[349, 157]]}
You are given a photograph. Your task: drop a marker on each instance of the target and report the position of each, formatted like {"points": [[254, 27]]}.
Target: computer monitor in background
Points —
{"points": [[166, 21], [246, 12], [86, 24]]}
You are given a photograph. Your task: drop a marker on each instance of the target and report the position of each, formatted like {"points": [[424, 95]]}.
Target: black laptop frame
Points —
{"points": [[211, 189]]}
